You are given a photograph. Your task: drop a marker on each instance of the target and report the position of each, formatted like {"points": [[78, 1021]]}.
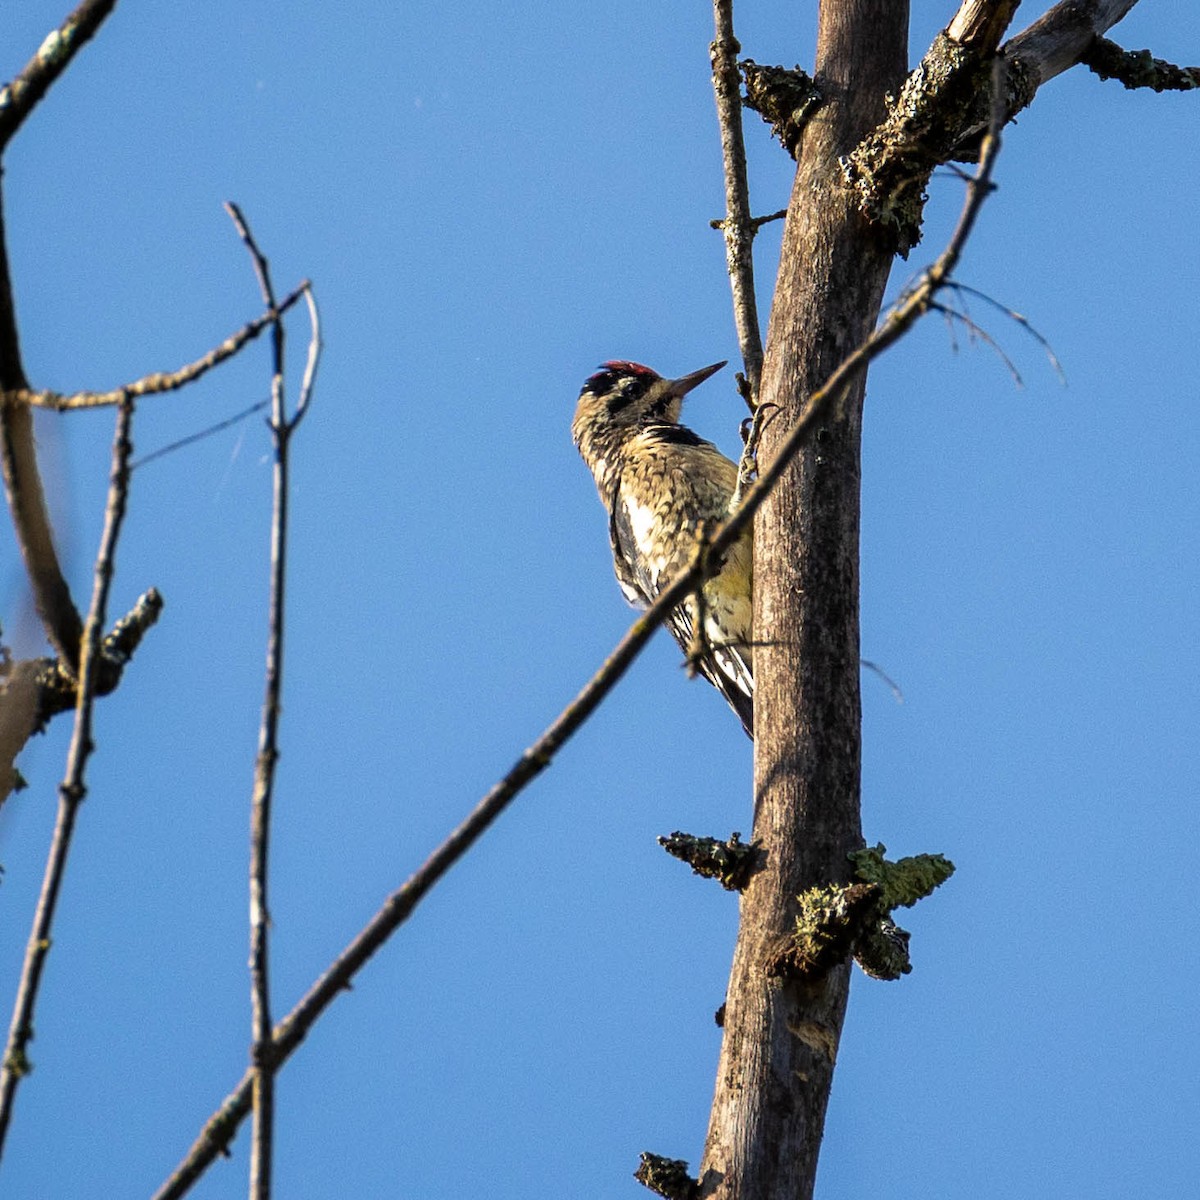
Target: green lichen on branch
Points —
{"points": [[1138, 68], [838, 920], [668, 1177], [882, 949], [784, 98], [942, 108], [829, 923], [905, 881], [731, 863]]}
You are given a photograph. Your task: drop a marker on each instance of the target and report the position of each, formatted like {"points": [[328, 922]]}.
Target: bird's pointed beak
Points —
{"points": [[683, 385]]}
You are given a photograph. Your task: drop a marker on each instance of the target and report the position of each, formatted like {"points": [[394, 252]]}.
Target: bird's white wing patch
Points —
{"points": [[632, 594], [641, 524]]}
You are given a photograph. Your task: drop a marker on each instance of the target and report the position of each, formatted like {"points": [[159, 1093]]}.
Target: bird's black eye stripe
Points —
{"points": [[619, 389], [599, 383], [626, 392]]}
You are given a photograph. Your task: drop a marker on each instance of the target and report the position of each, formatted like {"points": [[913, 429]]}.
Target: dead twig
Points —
{"points": [[1138, 68], [738, 226], [159, 381], [73, 787], [263, 1053], [53, 56], [964, 289], [976, 332]]}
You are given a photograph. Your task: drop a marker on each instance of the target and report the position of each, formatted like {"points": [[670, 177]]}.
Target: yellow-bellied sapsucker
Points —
{"points": [[664, 487]]}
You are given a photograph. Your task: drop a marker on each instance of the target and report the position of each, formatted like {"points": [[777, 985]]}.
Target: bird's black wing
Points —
{"points": [[635, 585], [723, 666]]}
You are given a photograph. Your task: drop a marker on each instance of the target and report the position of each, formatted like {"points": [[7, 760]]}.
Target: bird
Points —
{"points": [[665, 489]]}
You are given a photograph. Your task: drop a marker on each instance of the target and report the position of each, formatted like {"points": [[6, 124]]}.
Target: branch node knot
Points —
{"points": [[882, 946], [784, 98], [838, 920], [730, 863], [667, 1177], [945, 106], [830, 920]]}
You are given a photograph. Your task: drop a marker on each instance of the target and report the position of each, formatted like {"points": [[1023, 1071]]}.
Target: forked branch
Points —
{"points": [[159, 382], [263, 1052]]}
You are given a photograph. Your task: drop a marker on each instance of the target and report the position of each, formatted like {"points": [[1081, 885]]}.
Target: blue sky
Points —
{"points": [[490, 205]]}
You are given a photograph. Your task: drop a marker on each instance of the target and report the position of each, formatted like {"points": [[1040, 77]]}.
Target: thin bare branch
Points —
{"points": [[738, 226], [73, 788], [309, 378], [976, 332], [759, 222], [263, 1055], [159, 381], [53, 56], [963, 289], [220, 1129]]}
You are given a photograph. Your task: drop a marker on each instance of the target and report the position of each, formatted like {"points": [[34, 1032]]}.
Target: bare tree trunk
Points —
{"points": [[781, 1036]]}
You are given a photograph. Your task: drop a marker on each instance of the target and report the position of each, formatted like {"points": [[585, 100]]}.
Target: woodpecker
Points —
{"points": [[663, 488]]}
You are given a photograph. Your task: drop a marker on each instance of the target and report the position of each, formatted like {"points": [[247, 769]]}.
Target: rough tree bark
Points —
{"points": [[765, 1131]]}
